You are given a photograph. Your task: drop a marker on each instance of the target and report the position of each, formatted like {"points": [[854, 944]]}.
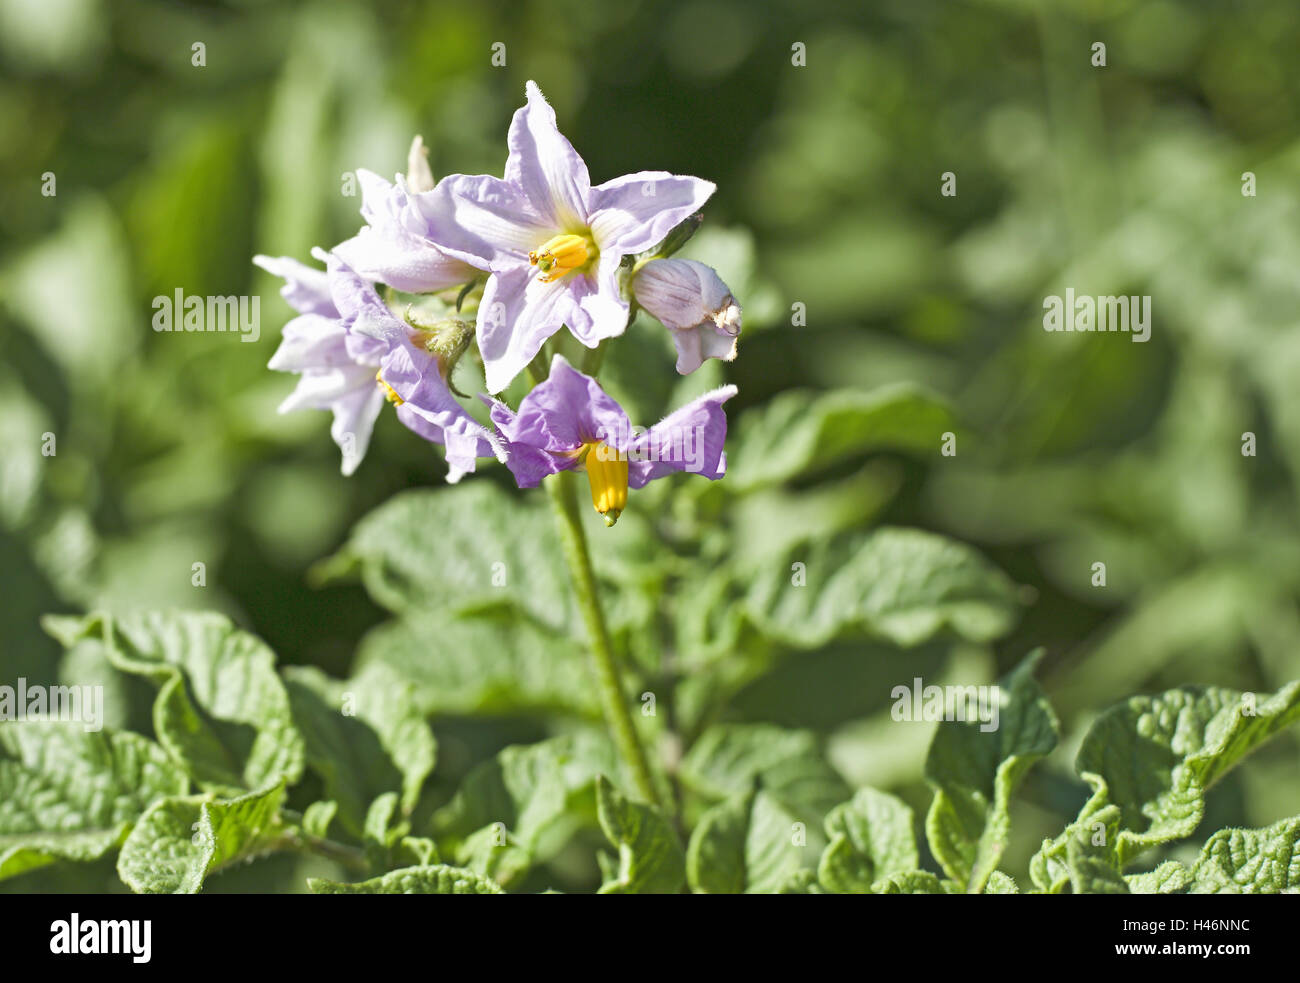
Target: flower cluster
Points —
{"points": [[521, 257]]}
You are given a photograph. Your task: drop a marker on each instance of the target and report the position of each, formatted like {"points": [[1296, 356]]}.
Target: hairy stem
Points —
{"points": [[609, 678]]}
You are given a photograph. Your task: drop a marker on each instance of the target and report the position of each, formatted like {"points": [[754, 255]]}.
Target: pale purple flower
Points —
{"points": [[690, 300], [569, 422], [398, 244], [552, 242], [353, 353]]}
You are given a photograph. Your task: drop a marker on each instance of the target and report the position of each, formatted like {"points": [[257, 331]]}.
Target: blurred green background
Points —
{"points": [[1072, 449]]}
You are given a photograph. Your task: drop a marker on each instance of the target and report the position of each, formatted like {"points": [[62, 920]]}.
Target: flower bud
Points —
{"points": [[418, 176], [446, 339], [695, 305]]}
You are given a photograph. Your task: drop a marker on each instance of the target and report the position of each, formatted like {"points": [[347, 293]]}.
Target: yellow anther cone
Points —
{"points": [[607, 474]]}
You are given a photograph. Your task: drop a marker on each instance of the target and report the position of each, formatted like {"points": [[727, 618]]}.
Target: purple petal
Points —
{"points": [[483, 220], [398, 246], [515, 317], [311, 341], [320, 389], [559, 415], [694, 345], [689, 439], [528, 459], [305, 289], [544, 165], [634, 212], [360, 307], [463, 437], [601, 310], [354, 421]]}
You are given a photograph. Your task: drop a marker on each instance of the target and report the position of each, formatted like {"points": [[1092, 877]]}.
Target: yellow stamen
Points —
{"points": [[607, 474], [559, 255], [389, 391]]}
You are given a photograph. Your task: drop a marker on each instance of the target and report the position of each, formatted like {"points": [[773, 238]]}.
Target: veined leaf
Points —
{"points": [[871, 838], [432, 879], [467, 548], [66, 793], [915, 882], [1155, 756], [728, 759], [482, 665], [1250, 861], [802, 432], [179, 841], [650, 860], [1170, 877], [1091, 859], [520, 808], [221, 709], [904, 585], [748, 844], [364, 736], [974, 771]]}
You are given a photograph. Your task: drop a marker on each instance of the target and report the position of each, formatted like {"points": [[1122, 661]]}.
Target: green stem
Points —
{"points": [[613, 697], [351, 857]]}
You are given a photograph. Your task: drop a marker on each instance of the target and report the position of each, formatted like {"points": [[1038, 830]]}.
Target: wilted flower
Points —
{"points": [[567, 422], [692, 301], [353, 353], [551, 241]]}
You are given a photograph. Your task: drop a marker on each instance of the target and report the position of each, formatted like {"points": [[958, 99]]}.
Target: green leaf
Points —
{"points": [[1000, 883], [803, 432], [716, 860], [904, 585], [481, 665], [22, 422], [748, 844], [364, 736], [973, 772], [1155, 757], [915, 882], [522, 807], [466, 548], [180, 841], [378, 828], [316, 818], [1250, 861], [728, 759], [650, 860], [221, 710], [871, 838], [803, 881], [420, 848], [433, 879], [1091, 858], [69, 794], [1170, 877]]}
